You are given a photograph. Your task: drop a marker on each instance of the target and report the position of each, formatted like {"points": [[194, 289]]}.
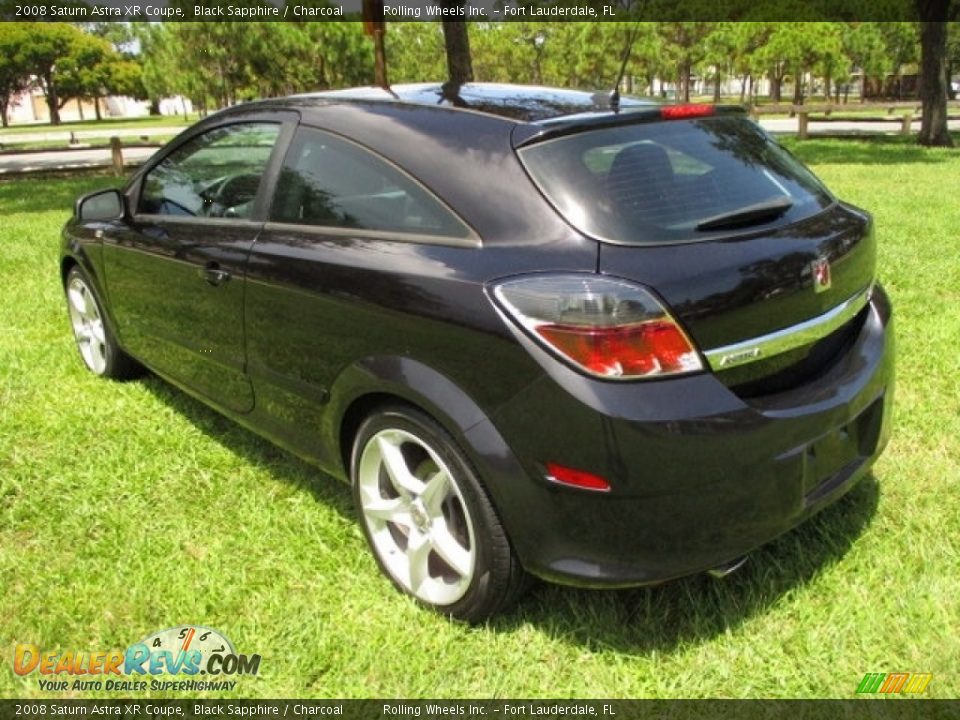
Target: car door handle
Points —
{"points": [[212, 273]]}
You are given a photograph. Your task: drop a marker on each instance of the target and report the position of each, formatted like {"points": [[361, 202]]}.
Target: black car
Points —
{"points": [[539, 335]]}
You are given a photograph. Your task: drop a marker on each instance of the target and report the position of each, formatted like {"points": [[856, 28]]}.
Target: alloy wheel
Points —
{"points": [[416, 517], [87, 324]]}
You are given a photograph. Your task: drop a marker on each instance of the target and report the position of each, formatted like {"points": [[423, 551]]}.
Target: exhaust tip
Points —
{"points": [[721, 571]]}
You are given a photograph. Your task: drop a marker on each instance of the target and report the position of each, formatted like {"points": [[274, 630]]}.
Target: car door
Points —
{"points": [[175, 270], [354, 248]]}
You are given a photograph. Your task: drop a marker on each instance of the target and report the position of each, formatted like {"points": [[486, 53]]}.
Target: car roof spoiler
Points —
{"points": [[551, 128]]}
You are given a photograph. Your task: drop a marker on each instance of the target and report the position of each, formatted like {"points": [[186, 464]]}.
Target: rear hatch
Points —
{"points": [[741, 241]]}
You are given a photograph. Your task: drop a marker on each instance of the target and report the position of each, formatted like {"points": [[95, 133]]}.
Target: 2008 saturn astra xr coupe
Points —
{"points": [[538, 335]]}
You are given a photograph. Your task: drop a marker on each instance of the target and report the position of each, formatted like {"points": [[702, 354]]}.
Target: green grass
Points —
{"points": [[86, 144], [105, 124], [126, 508]]}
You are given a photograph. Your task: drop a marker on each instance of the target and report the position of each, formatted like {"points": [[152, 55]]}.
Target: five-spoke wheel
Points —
{"points": [[416, 517], [428, 519]]}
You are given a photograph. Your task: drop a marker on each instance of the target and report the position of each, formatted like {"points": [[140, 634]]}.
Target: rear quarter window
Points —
{"points": [[656, 182], [330, 182]]}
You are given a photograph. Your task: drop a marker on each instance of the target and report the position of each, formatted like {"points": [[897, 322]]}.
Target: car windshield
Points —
{"points": [[674, 181]]}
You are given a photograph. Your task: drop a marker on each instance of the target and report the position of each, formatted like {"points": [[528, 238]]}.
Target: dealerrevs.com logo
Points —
{"points": [[170, 659]]}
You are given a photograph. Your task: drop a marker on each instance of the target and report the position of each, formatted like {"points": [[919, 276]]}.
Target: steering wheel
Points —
{"points": [[230, 197]]}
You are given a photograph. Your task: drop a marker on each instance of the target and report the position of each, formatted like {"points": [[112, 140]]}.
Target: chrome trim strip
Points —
{"points": [[781, 341], [331, 231]]}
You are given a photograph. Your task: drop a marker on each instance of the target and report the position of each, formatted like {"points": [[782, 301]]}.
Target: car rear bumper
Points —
{"points": [[698, 475]]}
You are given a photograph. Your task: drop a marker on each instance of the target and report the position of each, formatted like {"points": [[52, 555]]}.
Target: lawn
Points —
{"points": [[86, 144], [124, 123], [127, 508]]}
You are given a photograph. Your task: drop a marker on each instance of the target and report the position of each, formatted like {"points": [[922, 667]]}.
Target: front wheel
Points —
{"points": [[95, 341], [428, 519]]}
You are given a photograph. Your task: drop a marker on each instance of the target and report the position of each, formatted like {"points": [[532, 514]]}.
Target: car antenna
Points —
{"points": [[615, 93]]}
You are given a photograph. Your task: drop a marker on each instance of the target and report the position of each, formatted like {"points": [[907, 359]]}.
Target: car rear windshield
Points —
{"points": [[674, 181]]}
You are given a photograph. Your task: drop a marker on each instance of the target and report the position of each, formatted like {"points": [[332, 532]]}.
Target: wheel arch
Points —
{"points": [[377, 381], [67, 262]]}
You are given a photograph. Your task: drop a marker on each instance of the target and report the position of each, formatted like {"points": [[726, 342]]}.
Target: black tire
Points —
{"points": [[497, 579], [96, 341]]}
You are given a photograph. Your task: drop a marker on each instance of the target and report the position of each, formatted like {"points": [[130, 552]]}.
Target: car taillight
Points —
{"points": [[606, 327], [681, 112]]}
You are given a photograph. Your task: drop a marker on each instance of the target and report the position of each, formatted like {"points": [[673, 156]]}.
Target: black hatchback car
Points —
{"points": [[537, 335]]}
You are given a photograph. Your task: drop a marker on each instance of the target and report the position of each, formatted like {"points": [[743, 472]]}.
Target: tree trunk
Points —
{"points": [[53, 102], [933, 76], [96, 107], [685, 80], [4, 106], [775, 82], [459, 64], [798, 89], [379, 59], [80, 109], [716, 87], [826, 87]]}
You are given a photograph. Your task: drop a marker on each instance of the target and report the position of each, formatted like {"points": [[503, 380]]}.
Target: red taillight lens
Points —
{"points": [[576, 478], [648, 348], [681, 112], [606, 327]]}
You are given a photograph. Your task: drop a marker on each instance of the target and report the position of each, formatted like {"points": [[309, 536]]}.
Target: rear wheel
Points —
{"points": [[427, 518], [95, 341]]}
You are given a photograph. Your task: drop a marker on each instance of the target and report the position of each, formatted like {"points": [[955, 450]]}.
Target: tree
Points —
{"points": [[746, 40], [457, 44], [416, 51], [508, 52], [158, 61], [685, 44], [84, 71], [14, 73], [50, 44], [867, 49], [902, 48], [953, 56], [122, 77], [933, 74], [798, 48]]}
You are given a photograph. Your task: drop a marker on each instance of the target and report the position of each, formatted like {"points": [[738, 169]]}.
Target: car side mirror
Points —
{"points": [[101, 205]]}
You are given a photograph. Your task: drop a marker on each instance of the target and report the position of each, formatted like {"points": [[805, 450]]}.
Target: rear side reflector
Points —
{"points": [[681, 112], [606, 327], [576, 478]]}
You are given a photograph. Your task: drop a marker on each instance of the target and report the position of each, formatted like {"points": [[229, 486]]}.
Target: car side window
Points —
{"points": [[216, 174], [330, 182]]}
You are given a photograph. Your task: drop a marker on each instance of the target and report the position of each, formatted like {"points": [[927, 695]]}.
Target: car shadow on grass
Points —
{"points": [[698, 608], [279, 463]]}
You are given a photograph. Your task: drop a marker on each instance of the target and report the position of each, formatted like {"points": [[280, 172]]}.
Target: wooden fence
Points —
{"points": [[907, 112]]}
